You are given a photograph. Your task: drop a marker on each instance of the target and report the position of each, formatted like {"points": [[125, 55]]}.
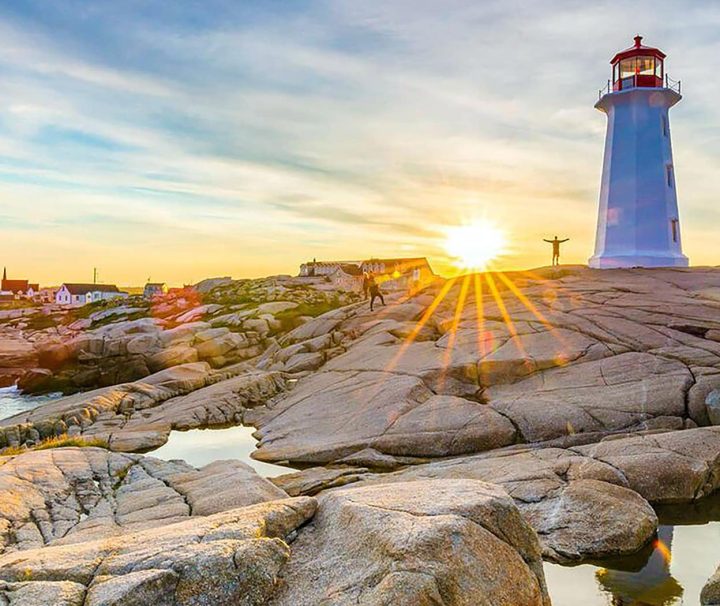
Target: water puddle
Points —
{"points": [[669, 572], [199, 447]]}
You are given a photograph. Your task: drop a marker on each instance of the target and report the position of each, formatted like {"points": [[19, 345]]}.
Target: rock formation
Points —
{"points": [[461, 433]]}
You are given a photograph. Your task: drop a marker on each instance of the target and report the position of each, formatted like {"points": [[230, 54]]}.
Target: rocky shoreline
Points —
{"points": [[465, 433]]}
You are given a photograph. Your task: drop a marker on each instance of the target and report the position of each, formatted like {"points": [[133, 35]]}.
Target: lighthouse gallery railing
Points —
{"points": [[631, 82]]}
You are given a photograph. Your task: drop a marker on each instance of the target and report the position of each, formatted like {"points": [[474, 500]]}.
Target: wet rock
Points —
{"points": [[433, 542]]}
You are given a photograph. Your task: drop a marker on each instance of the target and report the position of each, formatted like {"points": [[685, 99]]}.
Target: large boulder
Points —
{"points": [[422, 543], [590, 518]]}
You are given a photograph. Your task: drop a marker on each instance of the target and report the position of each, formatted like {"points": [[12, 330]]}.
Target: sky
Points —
{"points": [[182, 140]]}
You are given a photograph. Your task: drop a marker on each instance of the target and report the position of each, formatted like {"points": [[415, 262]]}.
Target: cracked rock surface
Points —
{"points": [[71, 495], [564, 358], [223, 559]]}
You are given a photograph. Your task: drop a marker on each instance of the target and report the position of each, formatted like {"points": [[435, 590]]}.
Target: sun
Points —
{"points": [[474, 245]]}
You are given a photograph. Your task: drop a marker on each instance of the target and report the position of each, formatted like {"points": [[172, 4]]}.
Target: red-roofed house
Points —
{"points": [[16, 288]]}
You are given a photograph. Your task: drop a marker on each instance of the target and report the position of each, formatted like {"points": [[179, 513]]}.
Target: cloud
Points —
{"points": [[245, 137]]}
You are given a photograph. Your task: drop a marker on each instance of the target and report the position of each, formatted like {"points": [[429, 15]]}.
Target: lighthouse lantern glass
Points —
{"points": [[644, 71], [645, 66]]}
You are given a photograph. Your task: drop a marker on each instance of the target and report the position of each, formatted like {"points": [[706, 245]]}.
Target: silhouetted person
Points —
{"points": [[374, 291], [366, 284], [556, 249]]}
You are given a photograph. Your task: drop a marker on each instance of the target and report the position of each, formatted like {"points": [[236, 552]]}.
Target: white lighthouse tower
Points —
{"points": [[638, 221]]}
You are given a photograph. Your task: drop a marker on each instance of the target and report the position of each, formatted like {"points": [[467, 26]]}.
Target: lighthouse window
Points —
{"points": [[669, 170], [665, 126], [674, 223], [645, 66], [627, 68]]}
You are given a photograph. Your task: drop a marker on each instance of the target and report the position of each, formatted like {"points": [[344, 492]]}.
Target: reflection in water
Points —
{"points": [[202, 446], [669, 572], [652, 585]]}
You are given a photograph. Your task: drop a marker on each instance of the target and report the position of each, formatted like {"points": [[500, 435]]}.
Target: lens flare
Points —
{"points": [[474, 245]]}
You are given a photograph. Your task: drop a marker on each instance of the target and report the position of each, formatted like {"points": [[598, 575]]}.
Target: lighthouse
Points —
{"points": [[638, 221]]}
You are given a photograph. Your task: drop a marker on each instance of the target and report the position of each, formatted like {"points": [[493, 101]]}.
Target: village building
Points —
{"points": [[348, 277], [80, 294], [33, 292], [322, 268], [155, 289], [400, 274], [393, 273], [45, 295], [16, 289]]}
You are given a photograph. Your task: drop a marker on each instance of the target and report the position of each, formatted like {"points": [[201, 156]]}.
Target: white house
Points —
{"points": [[80, 294]]}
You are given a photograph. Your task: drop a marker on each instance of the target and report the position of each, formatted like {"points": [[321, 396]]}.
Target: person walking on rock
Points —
{"points": [[374, 291], [556, 249], [366, 284]]}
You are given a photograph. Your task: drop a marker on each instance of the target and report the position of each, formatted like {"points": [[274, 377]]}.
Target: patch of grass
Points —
{"points": [[41, 321], [61, 441], [288, 318]]}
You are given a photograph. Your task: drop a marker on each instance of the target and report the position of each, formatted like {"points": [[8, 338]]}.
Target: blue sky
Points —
{"points": [[179, 140]]}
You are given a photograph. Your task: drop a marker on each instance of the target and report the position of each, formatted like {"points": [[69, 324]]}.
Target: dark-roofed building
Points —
{"points": [[80, 294]]}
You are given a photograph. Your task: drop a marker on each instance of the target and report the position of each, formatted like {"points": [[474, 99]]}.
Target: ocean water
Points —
{"points": [[13, 402]]}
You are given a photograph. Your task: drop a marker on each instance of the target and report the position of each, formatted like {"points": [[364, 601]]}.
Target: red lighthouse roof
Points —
{"points": [[636, 50]]}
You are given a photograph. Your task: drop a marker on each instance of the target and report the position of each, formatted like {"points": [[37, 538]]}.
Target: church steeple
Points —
{"points": [[4, 273]]}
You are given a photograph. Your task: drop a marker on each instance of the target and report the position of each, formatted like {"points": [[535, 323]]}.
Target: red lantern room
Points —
{"points": [[638, 66]]}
